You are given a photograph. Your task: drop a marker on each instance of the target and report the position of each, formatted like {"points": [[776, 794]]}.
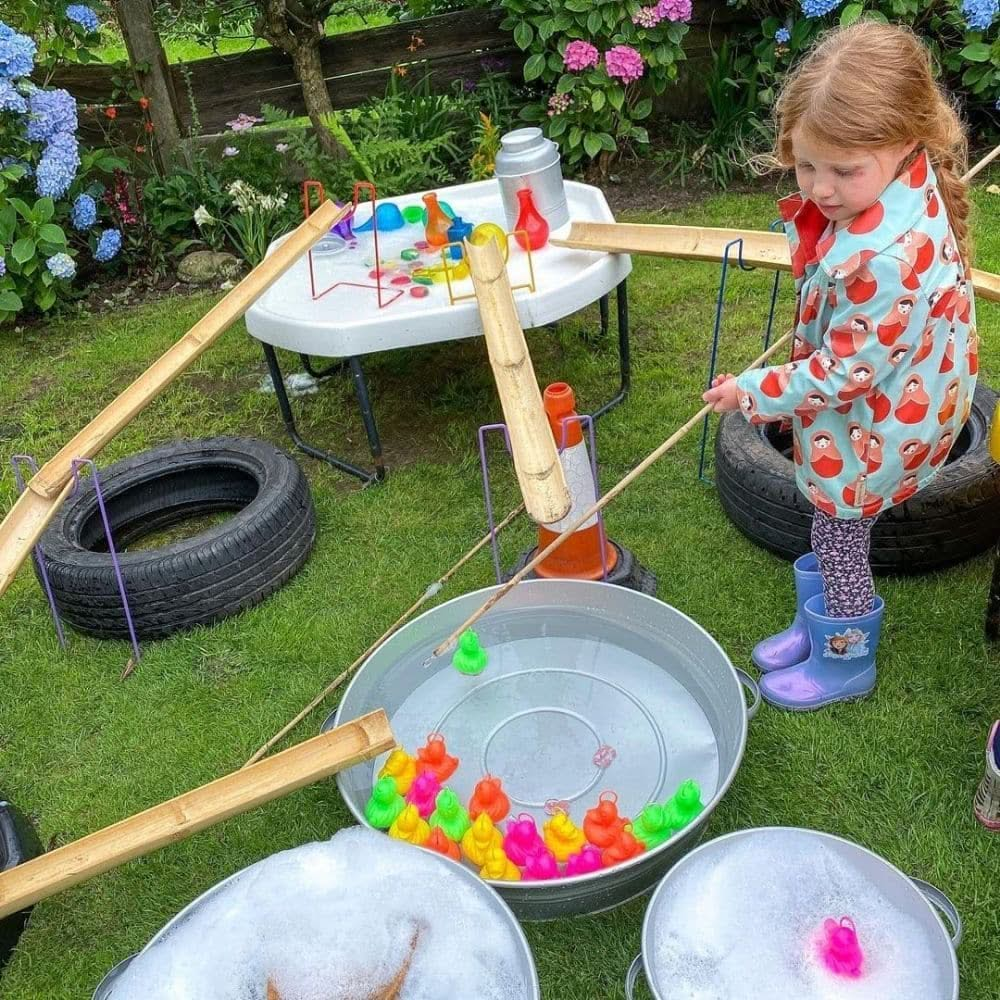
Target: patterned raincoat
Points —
{"points": [[886, 352]]}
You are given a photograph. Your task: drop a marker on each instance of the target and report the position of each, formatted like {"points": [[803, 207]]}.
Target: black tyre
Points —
{"points": [[956, 516], [200, 579], [18, 843]]}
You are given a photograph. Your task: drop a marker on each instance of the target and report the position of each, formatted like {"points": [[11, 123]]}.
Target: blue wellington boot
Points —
{"points": [[792, 646], [841, 666]]}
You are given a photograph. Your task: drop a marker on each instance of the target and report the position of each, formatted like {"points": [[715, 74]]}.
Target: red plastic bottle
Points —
{"points": [[530, 221]]}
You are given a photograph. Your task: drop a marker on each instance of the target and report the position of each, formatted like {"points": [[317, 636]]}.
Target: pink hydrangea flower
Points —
{"points": [[624, 63], [243, 121], [648, 17], [580, 55], [674, 10]]}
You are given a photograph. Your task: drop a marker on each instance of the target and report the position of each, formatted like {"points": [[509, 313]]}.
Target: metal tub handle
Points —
{"points": [[634, 971], [944, 907], [753, 687]]}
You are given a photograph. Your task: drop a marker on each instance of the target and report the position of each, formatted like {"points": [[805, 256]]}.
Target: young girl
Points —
{"points": [[885, 357]]}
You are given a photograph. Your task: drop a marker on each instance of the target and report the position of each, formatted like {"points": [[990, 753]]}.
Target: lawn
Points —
{"points": [[82, 749]]}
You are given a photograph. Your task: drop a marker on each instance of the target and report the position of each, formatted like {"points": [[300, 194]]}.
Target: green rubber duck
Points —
{"points": [[685, 804], [653, 825], [470, 657], [385, 804], [450, 815]]}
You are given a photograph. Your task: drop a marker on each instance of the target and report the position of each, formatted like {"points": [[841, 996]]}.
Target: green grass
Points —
{"points": [[81, 749], [188, 49]]}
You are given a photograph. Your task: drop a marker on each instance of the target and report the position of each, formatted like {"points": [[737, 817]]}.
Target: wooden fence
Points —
{"points": [[461, 45]]}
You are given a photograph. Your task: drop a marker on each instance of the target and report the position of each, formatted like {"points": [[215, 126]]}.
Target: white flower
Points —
{"points": [[230, 151], [202, 216], [282, 147]]}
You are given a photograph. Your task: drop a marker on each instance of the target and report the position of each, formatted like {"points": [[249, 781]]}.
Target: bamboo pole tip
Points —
{"points": [[485, 260]]}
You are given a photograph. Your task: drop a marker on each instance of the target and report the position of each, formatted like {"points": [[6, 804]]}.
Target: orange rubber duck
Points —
{"points": [[625, 846], [602, 824], [563, 837], [439, 841], [433, 756], [401, 766], [410, 826], [499, 867], [480, 839], [489, 797]]}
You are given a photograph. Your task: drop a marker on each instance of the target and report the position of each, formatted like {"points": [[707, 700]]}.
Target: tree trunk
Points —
{"points": [[300, 40]]}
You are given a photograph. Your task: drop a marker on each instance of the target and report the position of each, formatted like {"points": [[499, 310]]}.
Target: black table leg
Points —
{"points": [[288, 417], [624, 352]]}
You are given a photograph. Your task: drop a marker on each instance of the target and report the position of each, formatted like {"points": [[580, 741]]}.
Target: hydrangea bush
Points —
{"points": [[599, 65], [962, 34], [48, 209]]}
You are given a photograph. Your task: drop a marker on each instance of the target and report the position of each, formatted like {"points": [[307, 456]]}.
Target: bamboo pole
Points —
{"points": [[982, 164], [533, 446], [24, 524], [177, 819], [430, 592], [599, 505]]}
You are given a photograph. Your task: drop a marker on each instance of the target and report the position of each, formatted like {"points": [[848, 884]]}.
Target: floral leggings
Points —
{"points": [[842, 548]]}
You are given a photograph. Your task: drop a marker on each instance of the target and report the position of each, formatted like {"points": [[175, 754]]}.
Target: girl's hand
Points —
{"points": [[723, 394]]}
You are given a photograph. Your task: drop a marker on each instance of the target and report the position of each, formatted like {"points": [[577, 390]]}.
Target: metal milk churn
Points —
{"points": [[528, 159]]}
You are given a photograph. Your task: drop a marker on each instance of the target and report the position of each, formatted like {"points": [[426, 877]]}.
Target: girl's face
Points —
{"points": [[844, 182]]}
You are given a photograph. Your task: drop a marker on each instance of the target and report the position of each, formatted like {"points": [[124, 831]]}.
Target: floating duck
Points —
{"points": [[499, 867], [470, 657], [433, 756], [602, 824], [424, 792], [563, 837], [450, 815], [401, 766], [541, 866], [481, 836], [385, 804], [439, 841], [685, 805], [410, 826], [522, 838], [840, 949], [654, 825], [488, 796], [625, 846], [588, 860]]}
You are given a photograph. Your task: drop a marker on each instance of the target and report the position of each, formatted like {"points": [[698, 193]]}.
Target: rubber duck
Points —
{"points": [[479, 838], [499, 867], [433, 756], [410, 826], [488, 796], [602, 824], [624, 847], [840, 949], [563, 837], [654, 825], [685, 804], [401, 766], [469, 657], [385, 804], [439, 841], [424, 792], [588, 860], [522, 838], [541, 866], [450, 816]]}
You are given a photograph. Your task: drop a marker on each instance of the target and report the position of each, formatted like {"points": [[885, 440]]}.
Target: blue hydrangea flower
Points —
{"points": [[84, 213], [13, 161], [61, 265], [83, 16], [17, 53], [58, 165], [979, 14], [108, 245], [782, 36], [819, 8], [52, 112], [10, 99]]}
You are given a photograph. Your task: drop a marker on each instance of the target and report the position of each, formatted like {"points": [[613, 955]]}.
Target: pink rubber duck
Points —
{"points": [[522, 839], [541, 866], [423, 792], [588, 860], [839, 948]]}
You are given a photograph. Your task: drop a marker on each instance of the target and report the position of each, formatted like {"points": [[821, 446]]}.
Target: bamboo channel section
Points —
{"points": [[37, 505]]}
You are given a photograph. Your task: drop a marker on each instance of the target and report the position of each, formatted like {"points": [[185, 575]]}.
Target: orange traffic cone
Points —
{"points": [[579, 557]]}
